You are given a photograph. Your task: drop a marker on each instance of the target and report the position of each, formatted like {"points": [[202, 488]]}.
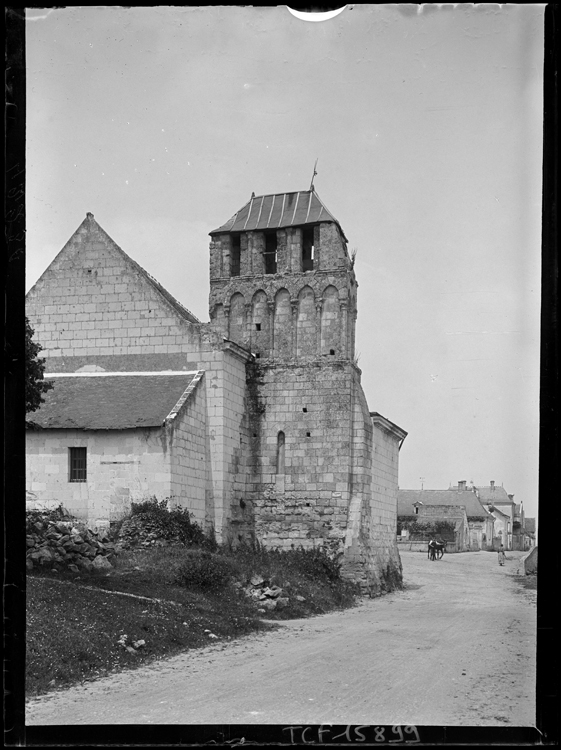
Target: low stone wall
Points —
{"points": [[408, 546], [412, 546], [60, 544]]}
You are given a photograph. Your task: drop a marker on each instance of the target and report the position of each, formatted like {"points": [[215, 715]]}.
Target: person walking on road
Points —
{"points": [[502, 556]]}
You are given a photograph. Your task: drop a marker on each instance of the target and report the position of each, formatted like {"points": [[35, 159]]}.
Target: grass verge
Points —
{"points": [[81, 627]]}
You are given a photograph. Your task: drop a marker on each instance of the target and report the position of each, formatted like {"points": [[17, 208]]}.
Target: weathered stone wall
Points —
{"points": [[383, 507], [122, 466], [371, 553], [332, 479], [302, 500], [304, 317], [359, 563]]}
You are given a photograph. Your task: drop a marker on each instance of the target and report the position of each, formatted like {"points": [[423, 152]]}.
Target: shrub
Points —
{"points": [[205, 571], [316, 563], [275, 564], [171, 524], [424, 528]]}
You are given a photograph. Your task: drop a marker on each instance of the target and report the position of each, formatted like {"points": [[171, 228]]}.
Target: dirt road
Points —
{"points": [[455, 647]]}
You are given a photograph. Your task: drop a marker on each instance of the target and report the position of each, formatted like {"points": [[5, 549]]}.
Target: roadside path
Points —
{"points": [[455, 648]]}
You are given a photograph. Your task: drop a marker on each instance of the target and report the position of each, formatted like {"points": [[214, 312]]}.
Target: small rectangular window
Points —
{"points": [[77, 465], [235, 254]]}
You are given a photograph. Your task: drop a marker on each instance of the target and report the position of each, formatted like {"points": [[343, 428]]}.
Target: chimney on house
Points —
{"points": [[462, 485], [492, 483]]}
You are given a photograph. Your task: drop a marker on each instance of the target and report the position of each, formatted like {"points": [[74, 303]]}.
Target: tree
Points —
{"points": [[35, 386]]}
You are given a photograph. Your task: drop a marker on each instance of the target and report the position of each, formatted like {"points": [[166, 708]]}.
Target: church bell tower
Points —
{"points": [[282, 283]]}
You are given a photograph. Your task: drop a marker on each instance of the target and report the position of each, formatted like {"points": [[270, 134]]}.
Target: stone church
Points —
{"points": [[256, 421]]}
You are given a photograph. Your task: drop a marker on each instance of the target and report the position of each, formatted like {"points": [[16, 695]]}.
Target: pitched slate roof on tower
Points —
{"points": [[278, 211], [113, 401]]}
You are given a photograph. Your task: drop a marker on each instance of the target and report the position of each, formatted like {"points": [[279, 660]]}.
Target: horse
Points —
{"points": [[436, 550]]}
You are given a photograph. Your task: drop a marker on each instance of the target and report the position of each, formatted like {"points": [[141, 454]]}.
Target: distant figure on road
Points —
{"points": [[502, 556]]}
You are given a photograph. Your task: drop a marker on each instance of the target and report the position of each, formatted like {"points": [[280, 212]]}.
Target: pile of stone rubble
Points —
{"points": [[266, 597], [60, 544]]}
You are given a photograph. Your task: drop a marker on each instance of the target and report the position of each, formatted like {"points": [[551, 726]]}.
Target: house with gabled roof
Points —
{"points": [[103, 440], [419, 522], [479, 521], [255, 421], [493, 497]]}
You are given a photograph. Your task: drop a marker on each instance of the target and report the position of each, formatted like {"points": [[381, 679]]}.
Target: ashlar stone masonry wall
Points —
{"points": [[385, 561], [321, 473], [227, 440], [290, 314], [371, 553], [300, 446], [186, 441], [122, 466], [93, 300]]}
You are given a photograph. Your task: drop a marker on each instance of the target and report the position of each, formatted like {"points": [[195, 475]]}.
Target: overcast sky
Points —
{"points": [[427, 126]]}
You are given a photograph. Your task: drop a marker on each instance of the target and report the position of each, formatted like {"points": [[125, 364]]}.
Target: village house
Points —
{"points": [[256, 422], [493, 499], [115, 437], [438, 505], [518, 527], [502, 526]]}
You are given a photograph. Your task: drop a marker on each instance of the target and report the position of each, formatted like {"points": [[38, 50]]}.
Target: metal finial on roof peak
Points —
{"points": [[89, 215], [314, 174], [253, 195]]}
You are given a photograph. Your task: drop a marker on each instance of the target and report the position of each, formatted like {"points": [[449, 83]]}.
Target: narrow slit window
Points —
{"points": [[235, 255], [280, 453], [308, 249], [270, 253], [77, 459]]}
